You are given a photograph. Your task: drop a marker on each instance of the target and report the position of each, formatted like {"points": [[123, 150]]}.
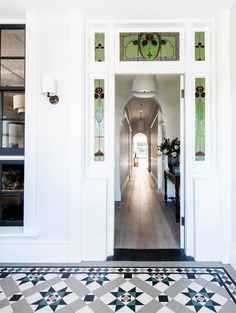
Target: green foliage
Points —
{"points": [[168, 147]]}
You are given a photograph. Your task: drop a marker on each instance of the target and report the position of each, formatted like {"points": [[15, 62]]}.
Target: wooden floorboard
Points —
{"points": [[143, 220]]}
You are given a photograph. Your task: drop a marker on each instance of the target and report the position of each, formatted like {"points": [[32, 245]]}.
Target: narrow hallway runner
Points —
{"points": [[116, 289], [142, 219]]}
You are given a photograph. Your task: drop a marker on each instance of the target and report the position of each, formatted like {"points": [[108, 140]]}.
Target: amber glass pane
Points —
{"points": [[12, 42], [12, 73]]}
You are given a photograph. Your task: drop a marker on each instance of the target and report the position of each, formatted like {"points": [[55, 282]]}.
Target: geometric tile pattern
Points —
{"points": [[116, 289]]}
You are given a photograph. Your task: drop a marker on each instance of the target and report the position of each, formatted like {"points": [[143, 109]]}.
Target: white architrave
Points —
{"points": [[193, 170]]}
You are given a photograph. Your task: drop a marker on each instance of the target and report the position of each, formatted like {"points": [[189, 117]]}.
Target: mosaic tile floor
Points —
{"points": [[116, 289]]}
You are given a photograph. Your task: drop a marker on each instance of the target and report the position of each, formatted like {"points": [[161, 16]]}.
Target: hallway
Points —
{"points": [[143, 221]]}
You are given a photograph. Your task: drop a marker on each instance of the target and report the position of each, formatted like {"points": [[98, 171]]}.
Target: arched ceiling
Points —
{"points": [[149, 109], [150, 106], [119, 9]]}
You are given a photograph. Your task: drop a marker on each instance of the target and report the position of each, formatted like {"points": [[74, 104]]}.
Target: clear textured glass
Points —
{"points": [[13, 134], [8, 111], [13, 42], [12, 177], [12, 73], [11, 208]]}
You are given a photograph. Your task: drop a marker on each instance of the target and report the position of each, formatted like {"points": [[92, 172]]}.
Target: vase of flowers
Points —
{"points": [[171, 148]]}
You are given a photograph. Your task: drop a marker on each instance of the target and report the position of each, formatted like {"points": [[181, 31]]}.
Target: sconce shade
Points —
{"points": [[19, 103], [48, 85], [144, 86], [140, 126]]}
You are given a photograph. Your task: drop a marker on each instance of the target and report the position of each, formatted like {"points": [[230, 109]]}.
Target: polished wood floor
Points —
{"points": [[143, 220]]}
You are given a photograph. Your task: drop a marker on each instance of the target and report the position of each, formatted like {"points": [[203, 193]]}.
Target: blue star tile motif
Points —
{"points": [[126, 298], [34, 278], [160, 277], [200, 299], [51, 298], [99, 278]]}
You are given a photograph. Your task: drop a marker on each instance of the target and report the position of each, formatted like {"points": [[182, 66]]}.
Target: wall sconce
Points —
{"points": [[19, 103], [49, 89]]}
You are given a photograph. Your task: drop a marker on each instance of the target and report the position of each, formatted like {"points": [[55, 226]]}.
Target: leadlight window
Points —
{"points": [[99, 95], [149, 46], [12, 123], [199, 46], [200, 119], [99, 49]]}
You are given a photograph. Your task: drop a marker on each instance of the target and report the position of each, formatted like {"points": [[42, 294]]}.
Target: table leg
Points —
{"points": [[165, 186], [177, 204]]}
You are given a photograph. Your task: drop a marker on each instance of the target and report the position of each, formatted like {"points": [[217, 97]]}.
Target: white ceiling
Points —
{"points": [[149, 106], [119, 9]]}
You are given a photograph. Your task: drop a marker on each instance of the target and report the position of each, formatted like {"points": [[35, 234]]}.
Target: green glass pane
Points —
{"points": [[99, 47], [149, 46], [199, 46], [200, 119], [99, 119]]}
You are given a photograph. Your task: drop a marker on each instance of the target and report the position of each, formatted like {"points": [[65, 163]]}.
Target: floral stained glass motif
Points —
{"points": [[149, 46], [99, 47], [99, 119], [200, 119], [199, 46]]}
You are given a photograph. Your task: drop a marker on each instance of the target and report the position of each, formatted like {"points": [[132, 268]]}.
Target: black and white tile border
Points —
{"points": [[205, 289]]}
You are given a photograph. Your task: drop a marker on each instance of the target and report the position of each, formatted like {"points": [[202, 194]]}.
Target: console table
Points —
{"points": [[175, 179]]}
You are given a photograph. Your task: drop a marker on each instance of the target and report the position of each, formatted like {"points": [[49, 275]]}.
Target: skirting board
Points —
{"points": [[125, 183], [233, 254], [154, 178], [34, 252]]}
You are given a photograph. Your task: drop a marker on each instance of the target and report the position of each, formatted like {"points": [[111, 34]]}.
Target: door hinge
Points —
{"points": [[182, 221], [182, 93]]}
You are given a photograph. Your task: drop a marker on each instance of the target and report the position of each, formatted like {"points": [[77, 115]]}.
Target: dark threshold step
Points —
{"points": [[149, 255]]}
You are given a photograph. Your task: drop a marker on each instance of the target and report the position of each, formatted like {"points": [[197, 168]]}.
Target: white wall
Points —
{"points": [[125, 145], [169, 99], [233, 131], [153, 149], [49, 184], [122, 95], [53, 129], [47, 171]]}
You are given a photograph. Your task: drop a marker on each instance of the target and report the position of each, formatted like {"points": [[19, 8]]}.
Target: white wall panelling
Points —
{"points": [[233, 132], [204, 170], [69, 208]]}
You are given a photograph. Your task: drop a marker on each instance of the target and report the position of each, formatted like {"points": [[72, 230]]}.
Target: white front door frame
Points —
{"points": [[182, 139], [201, 178]]}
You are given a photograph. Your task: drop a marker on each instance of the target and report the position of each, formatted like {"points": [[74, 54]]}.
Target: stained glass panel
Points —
{"points": [[200, 119], [99, 119], [149, 46], [199, 46], [99, 47]]}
